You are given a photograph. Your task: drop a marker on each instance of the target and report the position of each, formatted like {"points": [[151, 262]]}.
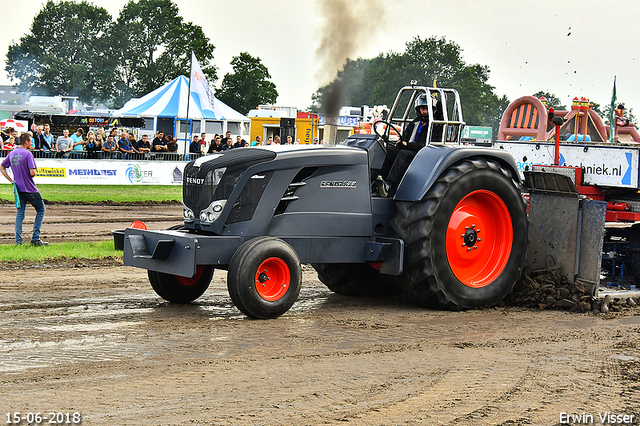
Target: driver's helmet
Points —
{"points": [[423, 100]]}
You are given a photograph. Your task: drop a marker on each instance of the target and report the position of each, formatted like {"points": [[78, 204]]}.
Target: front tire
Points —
{"points": [[264, 277], [466, 241], [177, 289]]}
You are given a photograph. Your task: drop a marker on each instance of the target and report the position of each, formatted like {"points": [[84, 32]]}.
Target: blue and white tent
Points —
{"points": [[170, 100]]}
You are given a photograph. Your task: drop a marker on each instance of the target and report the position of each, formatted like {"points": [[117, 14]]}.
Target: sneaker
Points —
{"points": [[375, 186], [380, 187], [39, 243], [383, 190]]}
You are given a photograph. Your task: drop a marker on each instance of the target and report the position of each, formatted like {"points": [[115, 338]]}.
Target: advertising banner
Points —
{"points": [[101, 172], [477, 132], [339, 121], [601, 165]]}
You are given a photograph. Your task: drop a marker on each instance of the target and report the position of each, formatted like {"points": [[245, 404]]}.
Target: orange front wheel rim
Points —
{"points": [[272, 279], [192, 280], [479, 238]]}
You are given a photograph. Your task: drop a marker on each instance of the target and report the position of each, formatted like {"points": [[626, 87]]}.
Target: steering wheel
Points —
{"points": [[384, 137]]}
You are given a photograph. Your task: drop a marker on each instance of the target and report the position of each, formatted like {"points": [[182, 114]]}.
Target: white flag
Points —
{"points": [[199, 87]]}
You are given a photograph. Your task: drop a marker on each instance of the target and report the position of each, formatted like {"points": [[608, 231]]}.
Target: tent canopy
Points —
{"points": [[170, 100]]}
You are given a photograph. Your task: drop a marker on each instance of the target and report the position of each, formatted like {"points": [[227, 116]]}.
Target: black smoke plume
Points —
{"points": [[347, 25]]}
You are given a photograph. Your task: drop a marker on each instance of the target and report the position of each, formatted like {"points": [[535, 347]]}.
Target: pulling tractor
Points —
{"points": [[454, 235]]}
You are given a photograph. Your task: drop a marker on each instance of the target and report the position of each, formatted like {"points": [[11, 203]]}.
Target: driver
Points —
{"points": [[414, 138]]}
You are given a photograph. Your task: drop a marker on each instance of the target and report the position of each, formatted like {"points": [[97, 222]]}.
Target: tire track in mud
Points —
{"points": [[538, 388], [626, 358], [88, 222], [443, 401], [40, 327], [58, 333], [98, 339]]}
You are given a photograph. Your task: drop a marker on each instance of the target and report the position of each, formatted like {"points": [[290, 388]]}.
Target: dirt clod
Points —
{"points": [[548, 289]]}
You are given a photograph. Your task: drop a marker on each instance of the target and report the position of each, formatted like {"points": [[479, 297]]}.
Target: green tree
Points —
{"points": [[552, 100], [597, 108], [376, 81], [383, 82], [496, 116], [350, 86], [248, 86], [64, 52], [151, 44], [435, 59]]}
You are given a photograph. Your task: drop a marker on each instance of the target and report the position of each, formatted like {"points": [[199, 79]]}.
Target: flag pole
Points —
{"points": [[612, 114], [186, 139]]}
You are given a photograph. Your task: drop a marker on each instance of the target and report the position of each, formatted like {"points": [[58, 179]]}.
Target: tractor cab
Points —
{"points": [[445, 110], [445, 124]]}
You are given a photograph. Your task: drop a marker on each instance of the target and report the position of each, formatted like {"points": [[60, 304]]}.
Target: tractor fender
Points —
{"points": [[431, 161]]}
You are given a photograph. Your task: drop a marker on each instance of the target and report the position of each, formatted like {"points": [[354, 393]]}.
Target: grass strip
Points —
{"points": [[101, 193], [56, 251]]}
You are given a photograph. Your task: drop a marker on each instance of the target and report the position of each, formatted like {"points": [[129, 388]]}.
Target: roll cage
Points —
{"points": [[446, 124]]}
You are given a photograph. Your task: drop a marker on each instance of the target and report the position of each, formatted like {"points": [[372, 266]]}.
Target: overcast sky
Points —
{"points": [[569, 48]]}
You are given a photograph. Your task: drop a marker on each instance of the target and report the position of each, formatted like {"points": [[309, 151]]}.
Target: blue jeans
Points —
{"points": [[35, 199]]}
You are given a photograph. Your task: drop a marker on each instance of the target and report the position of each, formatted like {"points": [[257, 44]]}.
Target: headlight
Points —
{"points": [[217, 175], [187, 213], [212, 212]]}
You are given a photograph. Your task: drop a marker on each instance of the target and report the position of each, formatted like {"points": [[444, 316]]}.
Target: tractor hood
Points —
{"points": [[213, 177], [209, 180]]}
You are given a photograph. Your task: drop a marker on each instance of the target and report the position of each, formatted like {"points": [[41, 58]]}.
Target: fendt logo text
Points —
{"points": [[195, 181]]}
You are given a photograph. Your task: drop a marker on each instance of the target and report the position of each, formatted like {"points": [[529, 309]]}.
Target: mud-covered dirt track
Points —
{"points": [[92, 337]]}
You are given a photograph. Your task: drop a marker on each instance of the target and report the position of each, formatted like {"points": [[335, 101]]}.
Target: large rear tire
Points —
{"points": [[264, 277], [466, 241], [176, 289], [356, 279]]}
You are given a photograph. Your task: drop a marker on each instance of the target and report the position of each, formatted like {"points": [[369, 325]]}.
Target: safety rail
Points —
{"points": [[99, 155]]}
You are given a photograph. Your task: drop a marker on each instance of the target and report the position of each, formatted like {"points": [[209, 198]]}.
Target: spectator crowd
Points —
{"points": [[123, 145]]}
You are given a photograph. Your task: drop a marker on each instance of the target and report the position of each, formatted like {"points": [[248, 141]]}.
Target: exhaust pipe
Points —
{"points": [[330, 133]]}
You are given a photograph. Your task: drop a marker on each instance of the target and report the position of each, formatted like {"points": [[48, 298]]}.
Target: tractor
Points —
{"points": [[453, 236]]}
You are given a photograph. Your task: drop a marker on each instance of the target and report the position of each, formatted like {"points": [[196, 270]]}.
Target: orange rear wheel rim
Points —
{"points": [[272, 279], [479, 238]]}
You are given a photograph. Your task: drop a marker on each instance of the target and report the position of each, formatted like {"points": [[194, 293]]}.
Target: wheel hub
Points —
{"points": [[263, 277], [470, 237]]}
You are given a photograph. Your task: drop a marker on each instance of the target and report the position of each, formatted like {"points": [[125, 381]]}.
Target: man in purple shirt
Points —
{"points": [[23, 166]]}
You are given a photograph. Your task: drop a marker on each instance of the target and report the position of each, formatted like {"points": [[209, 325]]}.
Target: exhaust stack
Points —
{"points": [[330, 133]]}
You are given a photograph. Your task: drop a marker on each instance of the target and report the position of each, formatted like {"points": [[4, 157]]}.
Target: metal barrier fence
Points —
{"points": [[84, 155]]}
